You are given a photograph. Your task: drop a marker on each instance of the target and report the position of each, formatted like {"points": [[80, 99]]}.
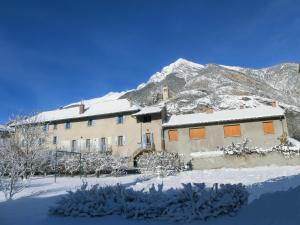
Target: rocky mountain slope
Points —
{"points": [[198, 88]]}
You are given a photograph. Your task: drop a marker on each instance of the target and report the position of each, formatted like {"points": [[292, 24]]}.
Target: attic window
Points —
{"points": [[268, 127], [232, 130]]}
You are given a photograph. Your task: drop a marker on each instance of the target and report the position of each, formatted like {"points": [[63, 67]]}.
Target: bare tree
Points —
{"points": [[32, 136], [12, 167]]}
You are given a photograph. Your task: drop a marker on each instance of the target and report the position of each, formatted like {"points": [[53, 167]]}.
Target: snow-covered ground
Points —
{"points": [[31, 205]]}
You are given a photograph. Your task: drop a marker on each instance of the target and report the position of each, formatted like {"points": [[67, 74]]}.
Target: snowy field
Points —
{"points": [[30, 207]]}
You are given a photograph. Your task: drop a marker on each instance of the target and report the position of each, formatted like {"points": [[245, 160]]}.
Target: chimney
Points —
{"points": [[165, 92], [274, 104], [81, 108]]}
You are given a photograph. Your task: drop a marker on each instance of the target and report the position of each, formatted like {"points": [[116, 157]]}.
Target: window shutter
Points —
{"points": [[151, 138], [173, 135], [268, 127], [109, 140], [232, 130], [117, 119], [124, 140], [197, 133], [116, 140], [123, 118]]}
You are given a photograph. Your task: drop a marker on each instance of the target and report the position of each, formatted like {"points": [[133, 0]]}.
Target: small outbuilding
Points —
{"points": [[205, 132]]}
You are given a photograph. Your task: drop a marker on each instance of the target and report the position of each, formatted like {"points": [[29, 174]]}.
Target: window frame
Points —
{"points": [[197, 138], [231, 125], [173, 130], [55, 126]]}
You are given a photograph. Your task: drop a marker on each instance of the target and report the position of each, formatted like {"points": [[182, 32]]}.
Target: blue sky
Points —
{"points": [[56, 52]]}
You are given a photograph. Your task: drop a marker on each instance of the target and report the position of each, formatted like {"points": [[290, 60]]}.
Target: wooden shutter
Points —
{"points": [[232, 130], [197, 133], [268, 127], [173, 135]]}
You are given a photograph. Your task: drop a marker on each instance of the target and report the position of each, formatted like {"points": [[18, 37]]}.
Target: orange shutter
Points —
{"points": [[173, 135], [268, 127], [197, 133], [232, 130]]}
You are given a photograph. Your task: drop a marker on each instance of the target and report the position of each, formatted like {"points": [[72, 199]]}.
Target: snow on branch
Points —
{"points": [[160, 163]]}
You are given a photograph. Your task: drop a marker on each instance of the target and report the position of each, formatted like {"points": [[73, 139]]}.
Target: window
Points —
{"points": [[54, 141], [197, 133], [232, 130], [88, 144], [268, 127], [54, 126], [40, 141], [146, 119], [68, 125], [73, 145], [90, 123], [120, 119], [173, 135], [45, 127], [120, 141]]}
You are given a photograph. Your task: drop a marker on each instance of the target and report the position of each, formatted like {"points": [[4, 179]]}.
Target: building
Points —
{"points": [[116, 125], [128, 130], [205, 132]]}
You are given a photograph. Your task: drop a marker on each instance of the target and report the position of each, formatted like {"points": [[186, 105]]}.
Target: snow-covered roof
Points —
{"points": [[108, 97], [225, 115], [149, 110], [94, 109]]}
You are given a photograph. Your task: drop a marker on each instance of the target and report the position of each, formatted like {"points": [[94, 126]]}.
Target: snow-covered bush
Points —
{"points": [[161, 163], [288, 149], [91, 163], [191, 202], [241, 149], [12, 168]]}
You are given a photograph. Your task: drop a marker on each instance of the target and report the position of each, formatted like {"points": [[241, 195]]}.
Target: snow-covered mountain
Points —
{"points": [[196, 88]]}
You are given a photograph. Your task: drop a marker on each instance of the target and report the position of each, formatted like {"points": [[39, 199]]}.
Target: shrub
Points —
{"points": [[161, 163], [192, 202]]}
